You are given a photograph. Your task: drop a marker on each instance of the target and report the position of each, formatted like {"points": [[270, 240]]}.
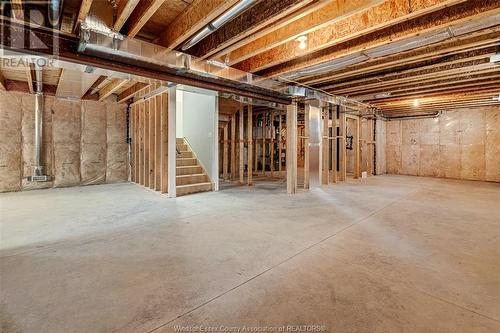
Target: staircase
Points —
{"points": [[190, 176]]}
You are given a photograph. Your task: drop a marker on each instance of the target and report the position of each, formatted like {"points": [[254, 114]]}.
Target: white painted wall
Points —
{"points": [[179, 133], [198, 124]]}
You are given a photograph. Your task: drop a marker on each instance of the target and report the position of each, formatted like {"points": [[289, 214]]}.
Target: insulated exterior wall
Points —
{"points": [[460, 144], [84, 142]]}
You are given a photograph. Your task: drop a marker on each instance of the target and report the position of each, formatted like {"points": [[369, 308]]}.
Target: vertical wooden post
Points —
{"points": [[171, 151], [152, 142], [132, 138], [342, 152], [233, 147], [306, 146], [242, 145], [334, 143], [291, 148], [273, 131], [164, 143], [136, 142], [157, 142], [357, 165], [142, 139], [264, 137], [370, 147], [226, 153], [325, 152], [256, 148], [280, 144], [146, 143], [250, 144]]}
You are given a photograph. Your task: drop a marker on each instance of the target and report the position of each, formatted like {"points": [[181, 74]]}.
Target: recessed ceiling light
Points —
{"points": [[302, 42], [416, 103]]}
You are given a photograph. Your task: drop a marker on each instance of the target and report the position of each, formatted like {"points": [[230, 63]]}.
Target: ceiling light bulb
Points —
{"points": [[302, 42], [416, 103]]}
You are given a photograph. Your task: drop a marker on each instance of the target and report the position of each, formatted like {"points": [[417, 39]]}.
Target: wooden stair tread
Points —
{"points": [[193, 185]]}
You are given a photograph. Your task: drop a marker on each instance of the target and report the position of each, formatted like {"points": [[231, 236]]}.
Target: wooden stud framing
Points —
{"points": [[225, 157], [335, 123], [233, 147], [306, 146], [264, 139], [271, 152], [291, 149], [164, 143], [325, 146], [242, 145], [342, 151], [157, 136], [280, 143], [147, 147], [250, 144], [142, 142]]}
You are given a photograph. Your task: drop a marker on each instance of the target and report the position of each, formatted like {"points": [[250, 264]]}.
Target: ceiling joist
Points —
{"points": [[332, 12], [280, 60], [194, 18]]}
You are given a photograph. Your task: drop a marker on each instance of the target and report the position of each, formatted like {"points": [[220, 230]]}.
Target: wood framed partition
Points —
{"points": [[149, 141]]}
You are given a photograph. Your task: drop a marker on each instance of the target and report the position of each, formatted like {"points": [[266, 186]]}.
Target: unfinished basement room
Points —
{"points": [[250, 166]]}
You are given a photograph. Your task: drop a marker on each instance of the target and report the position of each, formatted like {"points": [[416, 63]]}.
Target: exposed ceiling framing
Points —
{"points": [[385, 52]]}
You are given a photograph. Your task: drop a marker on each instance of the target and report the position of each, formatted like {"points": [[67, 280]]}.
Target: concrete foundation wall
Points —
{"points": [[460, 144], [83, 142]]}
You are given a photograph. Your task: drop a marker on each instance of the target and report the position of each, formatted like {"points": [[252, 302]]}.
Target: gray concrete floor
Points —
{"points": [[387, 254]]}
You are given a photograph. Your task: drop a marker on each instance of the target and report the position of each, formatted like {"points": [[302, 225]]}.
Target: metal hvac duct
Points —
{"points": [[38, 175]]}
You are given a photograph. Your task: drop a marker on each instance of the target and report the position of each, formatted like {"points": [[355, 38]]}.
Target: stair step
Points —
{"points": [[186, 161], [182, 147], [193, 188], [188, 170], [185, 154], [179, 140], [191, 179]]}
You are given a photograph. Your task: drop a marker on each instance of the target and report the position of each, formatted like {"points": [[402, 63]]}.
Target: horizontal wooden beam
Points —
{"points": [[448, 48], [464, 59], [111, 87], [471, 67], [426, 24], [446, 85], [329, 13], [132, 91], [194, 18], [487, 88], [64, 45], [141, 15], [124, 10], [250, 21], [383, 16], [22, 86], [83, 12], [224, 55]]}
